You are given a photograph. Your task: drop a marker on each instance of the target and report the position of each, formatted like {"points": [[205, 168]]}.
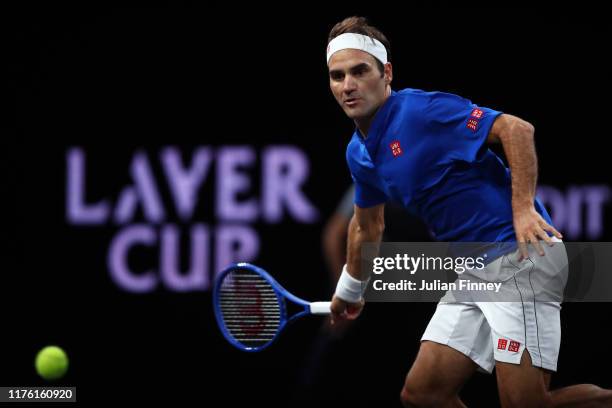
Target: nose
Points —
{"points": [[349, 84]]}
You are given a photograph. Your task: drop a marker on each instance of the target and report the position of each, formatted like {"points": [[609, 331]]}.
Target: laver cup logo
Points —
{"points": [[155, 212]]}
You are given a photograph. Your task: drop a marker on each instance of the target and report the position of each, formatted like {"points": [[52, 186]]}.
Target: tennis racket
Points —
{"points": [[251, 307]]}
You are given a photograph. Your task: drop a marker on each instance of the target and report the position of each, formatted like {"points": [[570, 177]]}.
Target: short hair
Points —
{"points": [[360, 25]]}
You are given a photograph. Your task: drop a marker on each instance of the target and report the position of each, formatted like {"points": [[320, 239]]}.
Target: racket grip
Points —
{"points": [[320, 308]]}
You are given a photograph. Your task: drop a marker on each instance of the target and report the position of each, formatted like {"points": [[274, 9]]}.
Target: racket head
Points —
{"points": [[249, 307]]}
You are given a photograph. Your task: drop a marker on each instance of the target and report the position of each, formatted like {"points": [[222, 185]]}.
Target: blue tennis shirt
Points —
{"points": [[428, 152]]}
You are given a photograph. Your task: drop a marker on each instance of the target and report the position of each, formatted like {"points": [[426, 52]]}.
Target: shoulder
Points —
{"points": [[405, 109], [445, 99], [412, 108], [411, 98], [419, 96], [353, 149], [419, 102], [353, 144], [444, 107]]}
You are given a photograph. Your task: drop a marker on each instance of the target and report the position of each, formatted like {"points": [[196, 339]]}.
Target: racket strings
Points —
{"points": [[250, 308]]}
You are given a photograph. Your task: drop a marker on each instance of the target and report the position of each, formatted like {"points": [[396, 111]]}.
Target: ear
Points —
{"points": [[388, 73]]}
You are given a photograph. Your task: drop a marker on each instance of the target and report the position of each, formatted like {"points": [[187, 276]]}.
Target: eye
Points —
{"points": [[336, 76], [360, 71]]}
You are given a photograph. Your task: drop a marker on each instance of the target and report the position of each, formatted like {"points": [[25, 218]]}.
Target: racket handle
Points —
{"points": [[320, 308]]}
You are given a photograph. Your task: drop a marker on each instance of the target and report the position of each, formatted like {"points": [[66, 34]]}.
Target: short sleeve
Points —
{"points": [[368, 190], [367, 195], [459, 127]]}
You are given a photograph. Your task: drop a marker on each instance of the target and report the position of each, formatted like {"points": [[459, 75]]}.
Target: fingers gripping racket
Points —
{"points": [[251, 307]]}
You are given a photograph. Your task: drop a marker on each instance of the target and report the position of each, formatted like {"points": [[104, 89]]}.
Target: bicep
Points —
{"points": [[496, 130], [504, 124]]}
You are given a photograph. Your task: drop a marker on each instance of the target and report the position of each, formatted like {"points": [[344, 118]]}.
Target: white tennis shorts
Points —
{"points": [[500, 331]]}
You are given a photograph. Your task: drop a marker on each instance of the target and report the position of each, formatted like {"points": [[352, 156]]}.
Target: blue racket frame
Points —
{"points": [[281, 294]]}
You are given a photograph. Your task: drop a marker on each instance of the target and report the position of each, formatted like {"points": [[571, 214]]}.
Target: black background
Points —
{"points": [[116, 80]]}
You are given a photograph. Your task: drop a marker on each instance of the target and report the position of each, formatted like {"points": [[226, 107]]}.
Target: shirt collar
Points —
{"points": [[378, 126]]}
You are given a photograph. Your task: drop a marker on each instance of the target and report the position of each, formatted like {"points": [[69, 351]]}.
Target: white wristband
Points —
{"points": [[350, 289]]}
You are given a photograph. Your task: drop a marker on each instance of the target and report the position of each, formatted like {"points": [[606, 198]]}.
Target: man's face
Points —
{"points": [[356, 82]]}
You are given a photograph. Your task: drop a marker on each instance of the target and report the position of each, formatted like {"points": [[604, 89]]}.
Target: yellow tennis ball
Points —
{"points": [[51, 363]]}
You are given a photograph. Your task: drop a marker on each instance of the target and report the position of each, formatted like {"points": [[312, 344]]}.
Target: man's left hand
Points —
{"points": [[530, 227]]}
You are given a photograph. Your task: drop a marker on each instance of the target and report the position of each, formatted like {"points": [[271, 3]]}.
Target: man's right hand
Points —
{"points": [[341, 310]]}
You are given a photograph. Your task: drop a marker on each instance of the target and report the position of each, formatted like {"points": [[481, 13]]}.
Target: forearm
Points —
{"points": [[517, 138], [519, 147], [357, 236]]}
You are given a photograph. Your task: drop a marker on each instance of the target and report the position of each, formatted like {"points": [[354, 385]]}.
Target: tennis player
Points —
{"points": [[428, 151]]}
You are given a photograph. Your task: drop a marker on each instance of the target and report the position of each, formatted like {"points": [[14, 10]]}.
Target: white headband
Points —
{"points": [[357, 42]]}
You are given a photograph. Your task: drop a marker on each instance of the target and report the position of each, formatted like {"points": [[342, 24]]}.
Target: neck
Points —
{"points": [[363, 124]]}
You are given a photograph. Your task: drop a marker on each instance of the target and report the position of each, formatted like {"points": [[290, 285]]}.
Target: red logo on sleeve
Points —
{"points": [[501, 344], [396, 149], [472, 124], [514, 346], [477, 113]]}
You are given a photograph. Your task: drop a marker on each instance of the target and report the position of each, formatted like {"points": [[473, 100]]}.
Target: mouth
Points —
{"points": [[351, 102]]}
